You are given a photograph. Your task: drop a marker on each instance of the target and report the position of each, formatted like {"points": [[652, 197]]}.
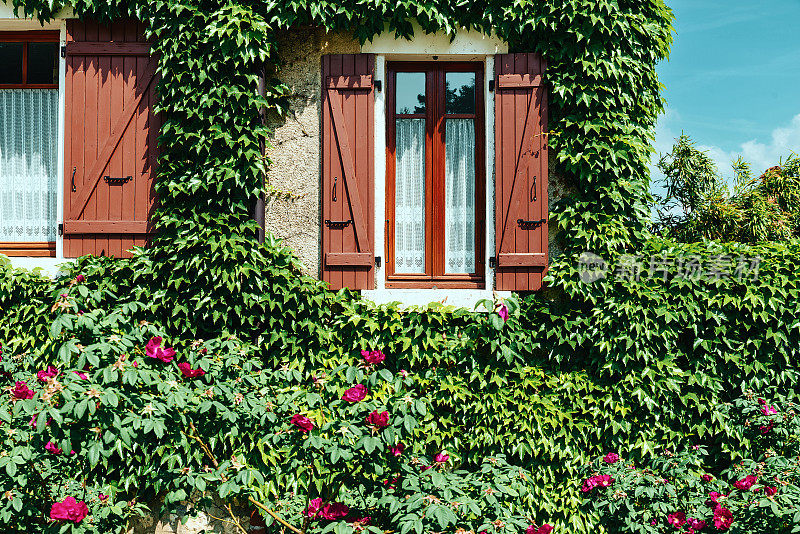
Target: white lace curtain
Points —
{"points": [[409, 209], [28, 164], [459, 190]]}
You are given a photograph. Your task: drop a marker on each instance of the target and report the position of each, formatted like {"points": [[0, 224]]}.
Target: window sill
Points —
{"points": [[457, 298], [50, 267], [35, 249]]}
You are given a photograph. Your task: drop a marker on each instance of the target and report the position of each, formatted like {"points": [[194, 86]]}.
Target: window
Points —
{"points": [[28, 142], [435, 175]]}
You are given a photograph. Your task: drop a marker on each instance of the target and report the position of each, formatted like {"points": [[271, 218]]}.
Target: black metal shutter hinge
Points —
{"points": [[493, 262], [60, 228], [378, 85], [491, 86], [63, 50], [378, 261]]}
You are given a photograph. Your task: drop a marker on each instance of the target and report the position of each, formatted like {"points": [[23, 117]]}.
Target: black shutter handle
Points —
{"points": [[334, 187], [533, 190], [74, 169]]}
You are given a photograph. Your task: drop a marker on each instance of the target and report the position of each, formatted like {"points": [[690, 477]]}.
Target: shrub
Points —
{"points": [[697, 204], [108, 416], [682, 493]]}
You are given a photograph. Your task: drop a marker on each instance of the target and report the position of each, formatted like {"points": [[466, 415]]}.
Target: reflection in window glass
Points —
{"points": [[410, 92], [460, 92], [42, 63], [11, 61]]}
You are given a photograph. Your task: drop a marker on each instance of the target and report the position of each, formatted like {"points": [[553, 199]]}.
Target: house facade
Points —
{"points": [[418, 170]]}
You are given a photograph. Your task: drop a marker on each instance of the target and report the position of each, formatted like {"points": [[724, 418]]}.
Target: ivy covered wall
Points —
{"points": [[604, 102]]}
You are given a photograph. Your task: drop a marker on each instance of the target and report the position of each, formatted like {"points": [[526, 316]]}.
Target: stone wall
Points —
{"points": [[296, 142]]}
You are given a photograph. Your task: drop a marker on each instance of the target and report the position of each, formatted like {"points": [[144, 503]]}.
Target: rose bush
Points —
{"points": [[683, 493], [110, 417]]}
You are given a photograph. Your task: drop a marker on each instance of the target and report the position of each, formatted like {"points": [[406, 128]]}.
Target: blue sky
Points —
{"points": [[733, 80]]}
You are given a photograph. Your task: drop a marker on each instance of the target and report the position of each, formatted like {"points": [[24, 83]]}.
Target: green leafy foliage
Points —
{"points": [[685, 493], [697, 205]]}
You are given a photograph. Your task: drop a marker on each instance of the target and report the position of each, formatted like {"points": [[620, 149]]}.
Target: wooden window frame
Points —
{"points": [[27, 37], [435, 117]]}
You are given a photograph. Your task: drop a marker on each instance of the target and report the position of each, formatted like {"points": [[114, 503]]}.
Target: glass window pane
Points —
{"points": [[11, 61], [409, 197], [42, 63], [28, 164], [460, 92], [410, 92], [459, 190]]}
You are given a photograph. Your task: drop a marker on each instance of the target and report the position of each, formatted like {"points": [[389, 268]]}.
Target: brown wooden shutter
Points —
{"points": [[348, 204], [110, 138], [521, 208]]}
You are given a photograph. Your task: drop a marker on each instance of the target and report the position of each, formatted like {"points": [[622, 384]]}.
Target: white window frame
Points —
{"points": [[467, 46], [9, 22]]}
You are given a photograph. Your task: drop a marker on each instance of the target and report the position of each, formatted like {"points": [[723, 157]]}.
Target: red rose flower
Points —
{"points": [[188, 372], [302, 422], [723, 518], [21, 391], [441, 458], [356, 393], [611, 458], [333, 511], [379, 420], [50, 372], [69, 510], [154, 350], [746, 483], [769, 491], [373, 356], [52, 449], [677, 519], [398, 449]]}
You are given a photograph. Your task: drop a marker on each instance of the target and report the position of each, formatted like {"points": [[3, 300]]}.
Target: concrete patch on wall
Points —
{"points": [[296, 165]]}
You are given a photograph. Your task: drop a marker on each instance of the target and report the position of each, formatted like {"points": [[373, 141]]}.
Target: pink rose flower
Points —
{"points": [[80, 278], [769, 410], [302, 422], [52, 449], [746, 483], [188, 372], [696, 524], [356, 393], [502, 310], [597, 481], [761, 401], [611, 458], [314, 506], [677, 519], [403, 373], [398, 449], [545, 529], [723, 518], [713, 498], [373, 356], [379, 420], [769, 491], [81, 375], [707, 478], [69, 510], [531, 530], [154, 350], [766, 428], [441, 458], [21, 391], [333, 511], [103, 497], [50, 372]]}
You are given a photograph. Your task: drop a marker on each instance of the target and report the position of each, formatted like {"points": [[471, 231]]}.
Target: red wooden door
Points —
{"points": [[521, 207], [110, 138], [348, 198]]}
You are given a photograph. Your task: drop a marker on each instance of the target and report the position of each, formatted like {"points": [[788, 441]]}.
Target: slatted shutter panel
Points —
{"points": [[110, 138], [348, 171], [521, 207]]}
